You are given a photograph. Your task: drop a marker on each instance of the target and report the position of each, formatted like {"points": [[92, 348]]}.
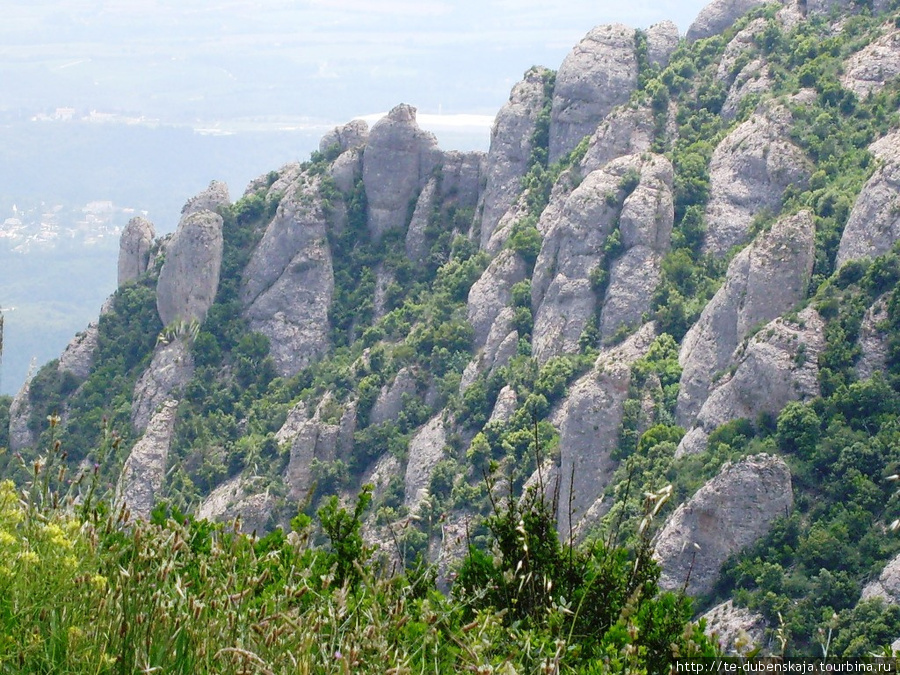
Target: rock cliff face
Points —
{"points": [[134, 249], [645, 226], [631, 194], [737, 629], [171, 368], [748, 174], [491, 293], [887, 585], [325, 436], [625, 131], [397, 162], [662, 39], [354, 134], [189, 277], [869, 69], [718, 16], [145, 469], [390, 399], [597, 75], [778, 365], [20, 435], [511, 140], [766, 279], [237, 499], [426, 449], [78, 356], [730, 512], [874, 223], [289, 282], [591, 419], [872, 341], [211, 199]]}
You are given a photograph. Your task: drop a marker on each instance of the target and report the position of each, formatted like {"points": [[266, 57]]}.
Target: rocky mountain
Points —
{"points": [[666, 299]]}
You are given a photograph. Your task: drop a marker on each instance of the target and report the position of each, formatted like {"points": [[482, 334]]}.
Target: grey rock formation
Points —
{"points": [[144, 472], [397, 162], [237, 498], [426, 449], [20, 435], [461, 177], [354, 134], [625, 131], [778, 365], [172, 367], [78, 356], [507, 159], [591, 419], [505, 405], [737, 629], [752, 79], [574, 235], [827, 6], [390, 399], [596, 76], [874, 222], [289, 282], [287, 175], [869, 69], [491, 293], [134, 249], [873, 341], [499, 347], [719, 15], [662, 39], [326, 436], [741, 46], [645, 224], [416, 244], [765, 280], [189, 277], [458, 185], [346, 170], [887, 585], [211, 199], [727, 514], [748, 174]]}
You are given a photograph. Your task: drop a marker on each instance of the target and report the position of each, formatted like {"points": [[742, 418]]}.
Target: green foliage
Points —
{"points": [[348, 552], [600, 598], [526, 240]]}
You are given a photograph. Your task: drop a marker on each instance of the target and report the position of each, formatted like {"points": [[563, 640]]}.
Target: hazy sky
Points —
{"points": [[184, 60]]}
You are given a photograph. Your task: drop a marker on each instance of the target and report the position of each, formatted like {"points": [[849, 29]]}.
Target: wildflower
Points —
{"points": [[57, 537], [29, 558], [99, 581]]}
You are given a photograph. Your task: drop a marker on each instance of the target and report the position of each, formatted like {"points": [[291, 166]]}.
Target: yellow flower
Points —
{"points": [[57, 537], [29, 558], [6, 539], [74, 633], [99, 581]]}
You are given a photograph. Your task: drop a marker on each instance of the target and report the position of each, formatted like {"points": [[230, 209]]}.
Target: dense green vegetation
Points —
{"points": [[80, 593]]}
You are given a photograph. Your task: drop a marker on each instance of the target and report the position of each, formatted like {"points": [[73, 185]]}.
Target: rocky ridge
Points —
{"points": [[604, 236]]}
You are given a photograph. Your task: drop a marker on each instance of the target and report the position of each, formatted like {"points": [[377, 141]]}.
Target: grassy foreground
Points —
{"points": [[83, 590]]}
